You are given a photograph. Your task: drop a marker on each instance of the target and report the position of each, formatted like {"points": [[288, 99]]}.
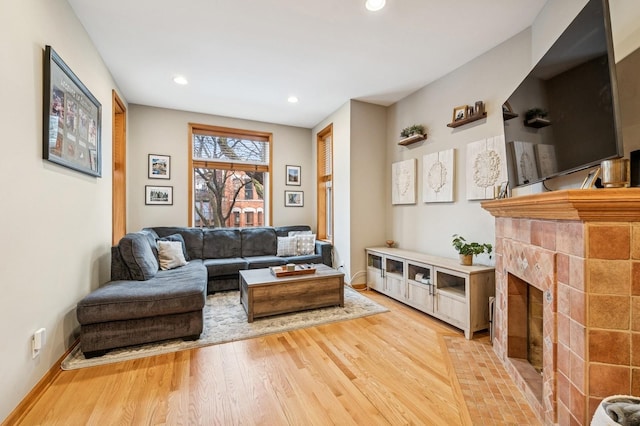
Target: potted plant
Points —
{"points": [[535, 113], [416, 129], [467, 250]]}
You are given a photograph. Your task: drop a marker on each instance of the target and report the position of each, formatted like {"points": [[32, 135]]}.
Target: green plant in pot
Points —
{"points": [[535, 113], [416, 129], [467, 250]]}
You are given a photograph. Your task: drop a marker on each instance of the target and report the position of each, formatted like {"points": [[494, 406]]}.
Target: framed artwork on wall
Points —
{"points": [[486, 167], [71, 119], [158, 195], [437, 176], [159, 166], [403, 182], [293, 198], [294, 175]]}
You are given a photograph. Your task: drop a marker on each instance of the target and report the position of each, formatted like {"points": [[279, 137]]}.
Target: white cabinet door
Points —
{"points": [[453, 308], [374, 279], [420, 296], [395, 286]]}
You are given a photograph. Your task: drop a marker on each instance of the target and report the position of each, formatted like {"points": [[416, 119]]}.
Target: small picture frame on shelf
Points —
{"points": [[293, 198], [158, 195], [479, 108], [460, 112], [590, 181], [159, 166], [506, 108], [293, 175]]}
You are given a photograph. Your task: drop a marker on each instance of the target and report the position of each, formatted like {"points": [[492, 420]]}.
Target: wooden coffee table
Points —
{"points": [[262, 294]]}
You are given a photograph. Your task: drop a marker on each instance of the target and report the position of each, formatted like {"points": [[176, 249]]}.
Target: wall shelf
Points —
{"points": [[508, 115], [411, 139], [537, 122], [467, 120]]}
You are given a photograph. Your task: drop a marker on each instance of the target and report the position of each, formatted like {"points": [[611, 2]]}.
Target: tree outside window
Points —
{"points": [[230, 169]]}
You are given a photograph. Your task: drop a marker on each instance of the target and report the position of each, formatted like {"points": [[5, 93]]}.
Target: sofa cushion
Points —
{"points": [[257, 262], [258, 241], [221, 243], [170, 255], [287, 246], [138, 256], [192, 238], [169, 292], [306, 244], [178, 238], [227, 266]]}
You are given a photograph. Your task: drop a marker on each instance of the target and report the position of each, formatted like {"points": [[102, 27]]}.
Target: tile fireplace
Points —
{"points": [[568, 298]]}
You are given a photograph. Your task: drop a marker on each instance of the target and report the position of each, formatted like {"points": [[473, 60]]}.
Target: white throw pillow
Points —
{"points": [[287, 246], [170, 255], [306, 244]]}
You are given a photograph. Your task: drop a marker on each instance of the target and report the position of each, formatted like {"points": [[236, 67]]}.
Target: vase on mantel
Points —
{"points": [[466, 259]]}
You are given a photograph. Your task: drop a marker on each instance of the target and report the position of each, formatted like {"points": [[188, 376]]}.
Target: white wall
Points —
{"points": [[341, 120], [491, 78], [367, 198], [428, 227], [165, 131], [56, 222]]}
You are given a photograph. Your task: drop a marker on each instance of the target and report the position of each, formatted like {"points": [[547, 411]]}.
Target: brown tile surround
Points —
{"points": [[582, 249]]}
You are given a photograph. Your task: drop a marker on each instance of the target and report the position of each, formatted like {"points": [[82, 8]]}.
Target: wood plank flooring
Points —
{"points": [[386, 369]]}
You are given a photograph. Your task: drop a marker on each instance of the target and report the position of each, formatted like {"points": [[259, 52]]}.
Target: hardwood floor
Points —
{"points": [[390, 368]]}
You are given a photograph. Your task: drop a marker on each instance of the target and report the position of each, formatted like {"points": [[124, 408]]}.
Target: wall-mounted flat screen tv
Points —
{"points": [[564, 116]]}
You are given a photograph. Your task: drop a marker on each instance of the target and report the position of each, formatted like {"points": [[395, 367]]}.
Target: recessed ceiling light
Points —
{"points": [[375, 5], [292, 99], [180, 80]]}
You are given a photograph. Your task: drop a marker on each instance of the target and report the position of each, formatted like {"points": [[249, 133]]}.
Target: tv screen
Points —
{"points": [[563, 117]]}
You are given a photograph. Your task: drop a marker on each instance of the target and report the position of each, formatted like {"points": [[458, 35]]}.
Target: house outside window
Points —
{"points": [[230, 173]]}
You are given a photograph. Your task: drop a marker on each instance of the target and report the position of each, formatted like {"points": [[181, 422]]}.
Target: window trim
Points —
{"points": [[205, 129], [321, 180]]}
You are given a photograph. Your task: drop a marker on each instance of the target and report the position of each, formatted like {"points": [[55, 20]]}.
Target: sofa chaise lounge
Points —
{"points": [[144, 303]]}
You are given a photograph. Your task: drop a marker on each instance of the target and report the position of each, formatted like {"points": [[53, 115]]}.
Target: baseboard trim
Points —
{"points": [[358, 286], [16, 416]]}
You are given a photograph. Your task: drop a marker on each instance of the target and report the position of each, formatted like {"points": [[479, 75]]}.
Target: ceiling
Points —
{"points": [[244, 58]]}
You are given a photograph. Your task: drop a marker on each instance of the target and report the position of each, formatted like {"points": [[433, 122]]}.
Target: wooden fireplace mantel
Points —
{"points": [[587, 205]]}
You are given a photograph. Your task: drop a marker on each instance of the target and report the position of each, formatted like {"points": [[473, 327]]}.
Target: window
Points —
{"points": [[248, 191], [325, 183], [249, 219], [230, 174]]}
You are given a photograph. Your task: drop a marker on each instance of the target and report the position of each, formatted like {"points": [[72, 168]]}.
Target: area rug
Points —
{"points": [[226, 321]]}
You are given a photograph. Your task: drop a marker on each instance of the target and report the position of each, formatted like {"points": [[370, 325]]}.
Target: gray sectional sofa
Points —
{"points": [[143, 303]]}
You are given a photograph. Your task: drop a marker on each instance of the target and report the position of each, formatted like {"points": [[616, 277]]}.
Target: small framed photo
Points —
{"points": [[293, 175], [158, 195], [460, 113], [159, 166], [293, 198], [479, 109], [590, 180]]}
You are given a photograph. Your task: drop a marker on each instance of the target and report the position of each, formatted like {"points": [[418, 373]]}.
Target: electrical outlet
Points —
{"points": [[37, 341]]}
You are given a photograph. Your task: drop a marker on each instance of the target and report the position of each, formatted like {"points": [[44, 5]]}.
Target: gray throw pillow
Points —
{"points": [[138, 256]]}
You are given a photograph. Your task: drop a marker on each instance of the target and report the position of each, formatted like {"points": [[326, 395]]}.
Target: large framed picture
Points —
{"points": [[293, 175], [159, 166], [293, 198], [71, 119], [158, 195]]}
